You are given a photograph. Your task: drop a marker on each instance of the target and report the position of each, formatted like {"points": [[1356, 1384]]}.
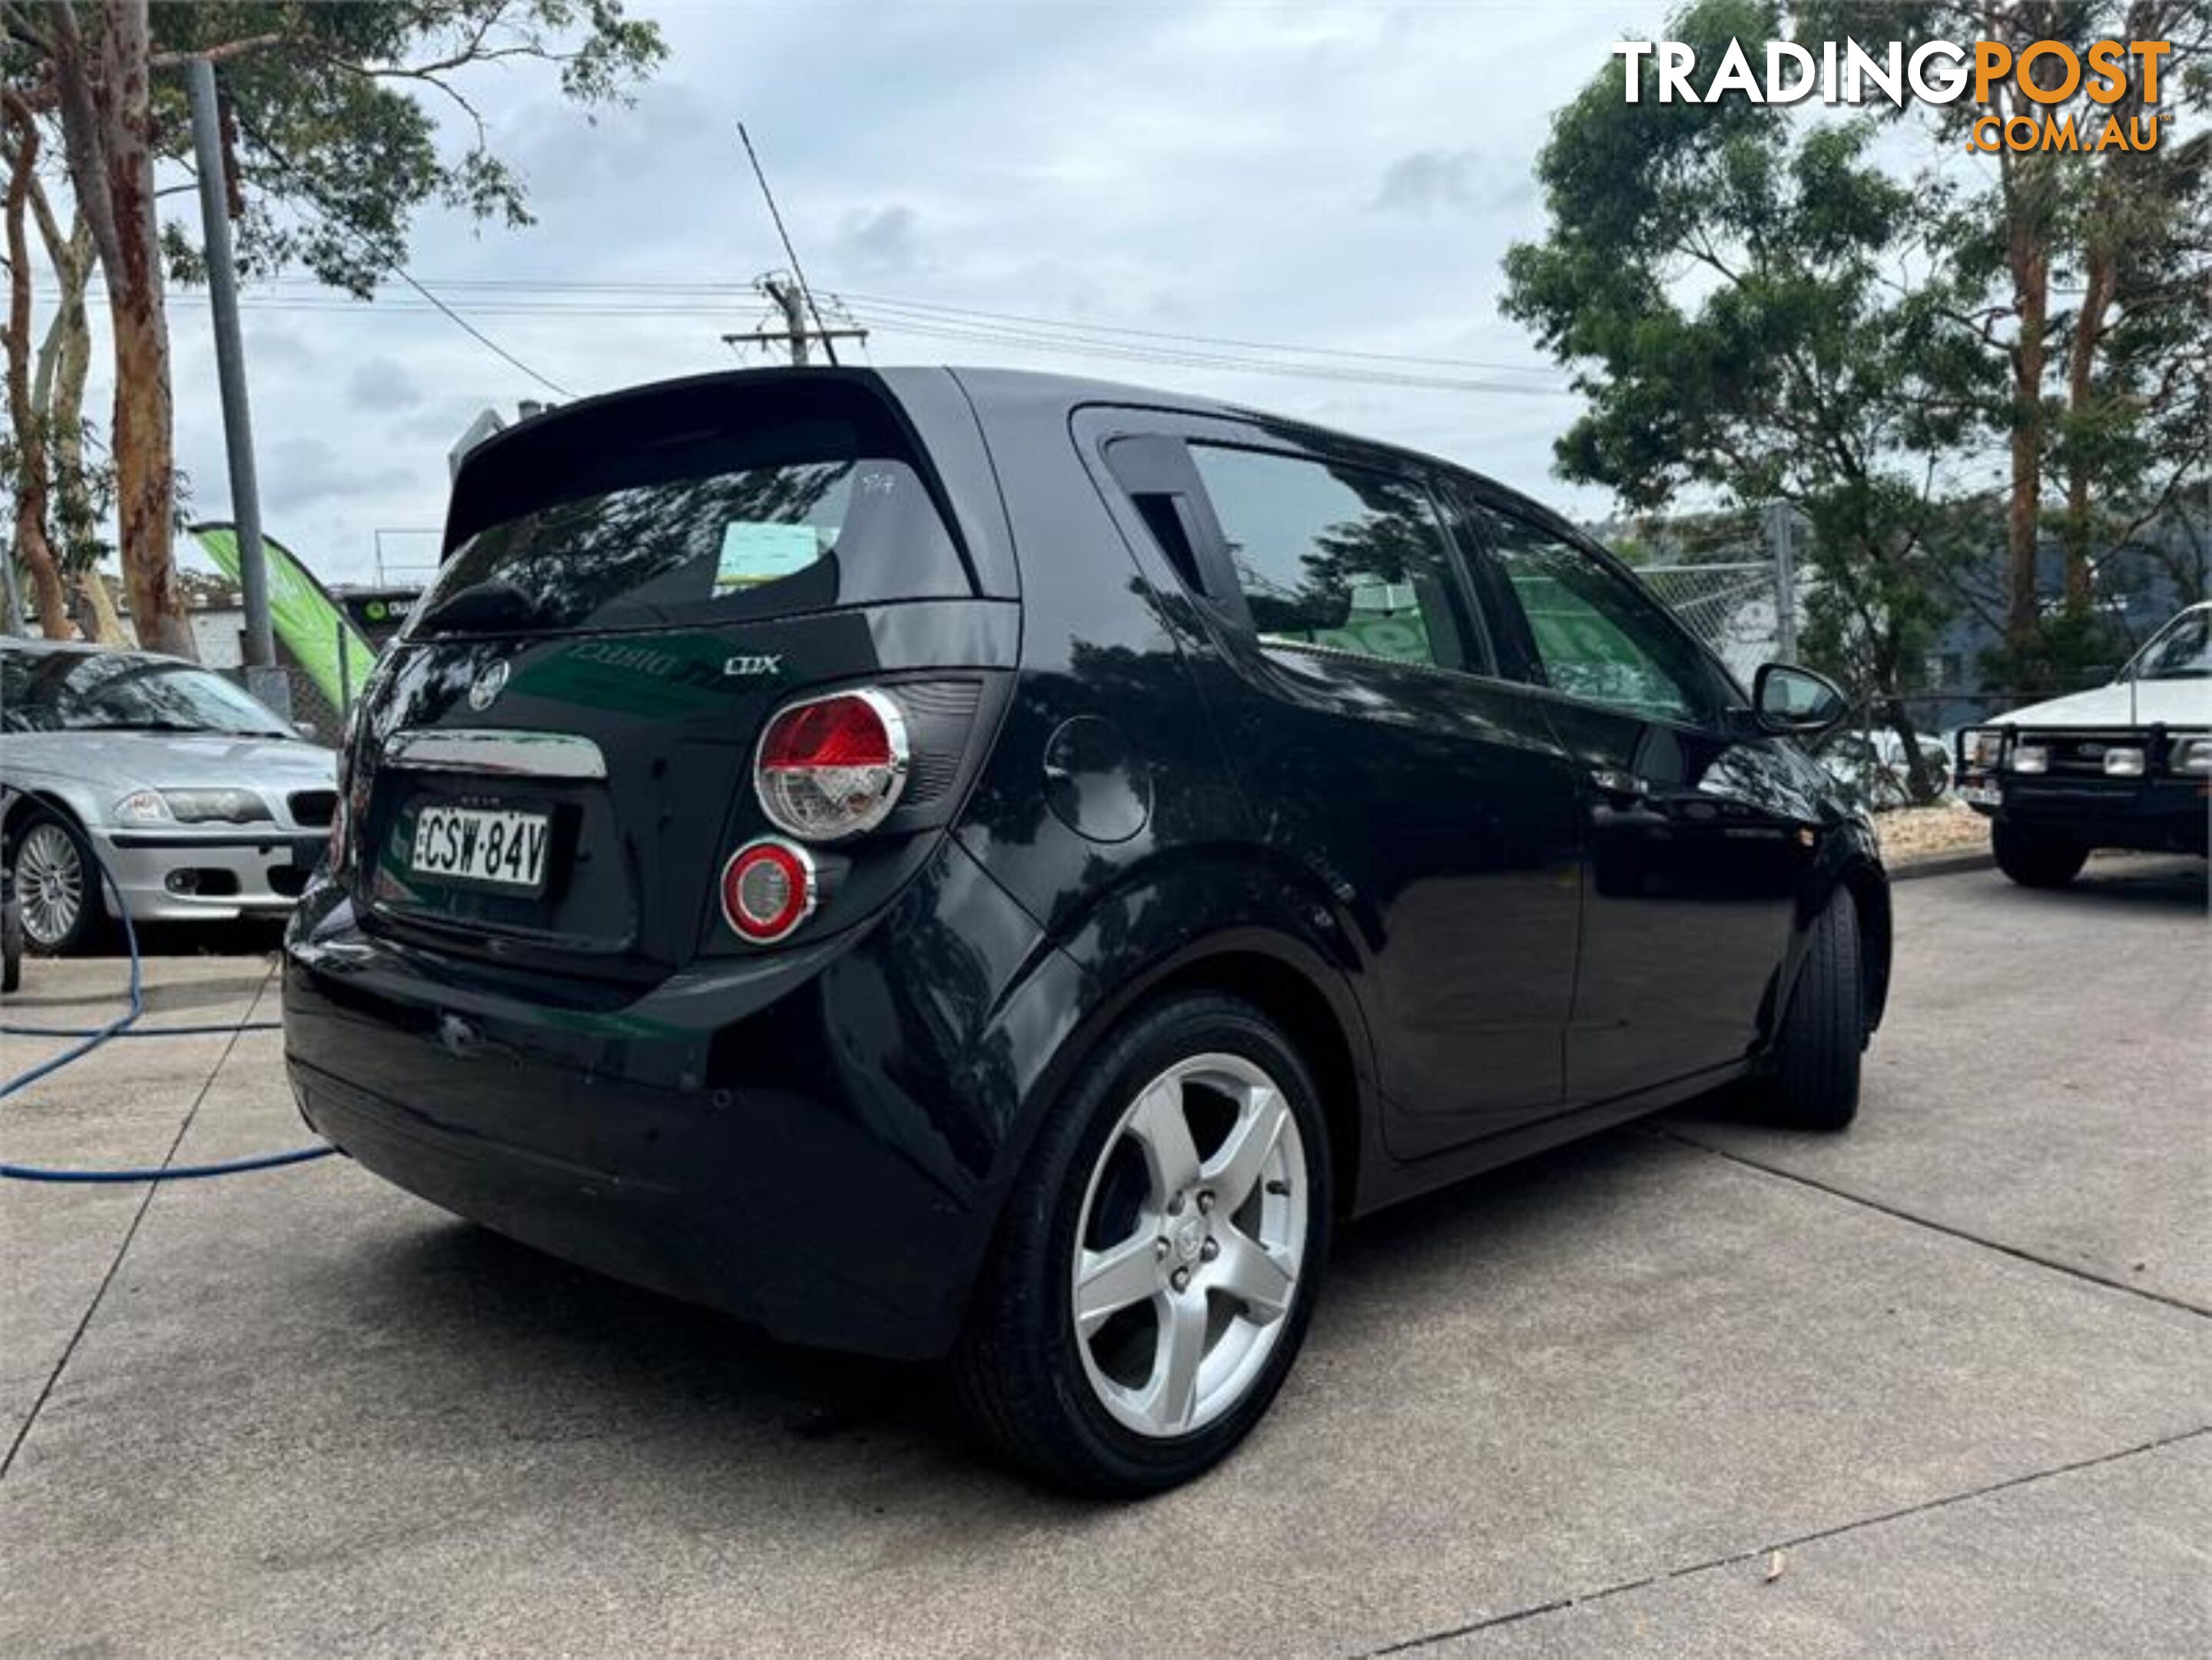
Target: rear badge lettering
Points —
{"points": [[753, 666]]}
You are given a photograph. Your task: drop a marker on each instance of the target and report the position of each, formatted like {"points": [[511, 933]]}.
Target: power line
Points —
{"points": [[308, 196], [702, 297], [923, 308], [478, 335], [958, 325], [1129, 352]]}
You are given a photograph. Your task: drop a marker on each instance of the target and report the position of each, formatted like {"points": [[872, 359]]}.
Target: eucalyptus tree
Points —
{"points": [[334, 144], [1749, 305]]}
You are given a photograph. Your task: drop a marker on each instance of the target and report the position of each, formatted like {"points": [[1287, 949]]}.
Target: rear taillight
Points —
{"points": [[768, 890], [832, 767]]}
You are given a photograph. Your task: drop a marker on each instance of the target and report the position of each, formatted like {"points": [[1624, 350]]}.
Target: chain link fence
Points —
{"points": [[1729, 575], [1737, 609]]}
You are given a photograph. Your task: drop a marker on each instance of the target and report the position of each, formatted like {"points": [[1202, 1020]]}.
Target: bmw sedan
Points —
{"points": [[199, 801]]}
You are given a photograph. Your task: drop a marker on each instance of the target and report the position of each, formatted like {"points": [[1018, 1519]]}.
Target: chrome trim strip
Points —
{"points": [[507, 752]]}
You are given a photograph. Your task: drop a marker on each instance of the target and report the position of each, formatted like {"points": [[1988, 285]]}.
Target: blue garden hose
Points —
{"points": [[91, 1038]]}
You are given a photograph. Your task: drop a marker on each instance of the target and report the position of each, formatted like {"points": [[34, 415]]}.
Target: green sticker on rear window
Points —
{"points": [[754, 553]]}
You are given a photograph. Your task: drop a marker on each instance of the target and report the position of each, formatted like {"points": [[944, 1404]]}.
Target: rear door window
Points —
{"points": [[1337, 557], [765, 517]]}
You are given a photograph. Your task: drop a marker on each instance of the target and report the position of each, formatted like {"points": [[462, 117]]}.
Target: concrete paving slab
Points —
{"points": [[120, 1107], [2045, 1083], [55, 990], [314, 1413], [57, 1243], [2112, 1559]]}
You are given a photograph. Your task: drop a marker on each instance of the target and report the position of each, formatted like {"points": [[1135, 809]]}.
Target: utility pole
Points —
{"points": [[260, 648], [788, 297]]}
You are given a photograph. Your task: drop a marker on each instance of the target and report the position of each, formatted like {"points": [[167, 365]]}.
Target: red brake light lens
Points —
{"points": [[833, 766], [768, 890]]}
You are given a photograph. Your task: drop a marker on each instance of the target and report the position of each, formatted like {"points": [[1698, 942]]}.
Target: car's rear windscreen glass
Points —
{"points": [[766, 514]]}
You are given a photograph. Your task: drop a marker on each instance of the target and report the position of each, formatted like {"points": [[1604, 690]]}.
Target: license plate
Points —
{"points": [[481, 845], [1982, 796]]}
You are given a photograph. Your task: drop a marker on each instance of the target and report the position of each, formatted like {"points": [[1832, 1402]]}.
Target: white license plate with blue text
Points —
{"points": [[485, 845]]}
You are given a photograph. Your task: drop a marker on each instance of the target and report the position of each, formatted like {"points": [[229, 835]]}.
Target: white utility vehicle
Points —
{"points": [[2124, 765]]}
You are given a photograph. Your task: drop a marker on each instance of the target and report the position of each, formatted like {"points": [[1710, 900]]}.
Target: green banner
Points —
{"points": [[301, 611]]}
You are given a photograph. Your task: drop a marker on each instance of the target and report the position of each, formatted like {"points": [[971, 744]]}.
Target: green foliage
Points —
{"points": [[2070, 649], [2123, 241], [1742, 292], [332, 121]]}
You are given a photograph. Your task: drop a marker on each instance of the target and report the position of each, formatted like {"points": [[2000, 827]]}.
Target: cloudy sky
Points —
{"points": [[1344, 177]]}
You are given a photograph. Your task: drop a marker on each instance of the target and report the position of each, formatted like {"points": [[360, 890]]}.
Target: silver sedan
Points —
{"points": [[198, 801]]}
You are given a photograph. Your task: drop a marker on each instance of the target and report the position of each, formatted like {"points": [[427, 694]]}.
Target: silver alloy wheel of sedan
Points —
{"points": [[1181, 1289], [50, 884]]}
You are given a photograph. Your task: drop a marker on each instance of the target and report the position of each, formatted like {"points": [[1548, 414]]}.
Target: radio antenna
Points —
{"points": [[829, 343]]}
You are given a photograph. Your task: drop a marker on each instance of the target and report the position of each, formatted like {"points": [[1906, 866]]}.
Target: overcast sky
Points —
{"points": [[1337, 176]]}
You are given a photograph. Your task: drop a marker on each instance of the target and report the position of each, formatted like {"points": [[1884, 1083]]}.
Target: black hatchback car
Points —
{"points": [[985, 866]]}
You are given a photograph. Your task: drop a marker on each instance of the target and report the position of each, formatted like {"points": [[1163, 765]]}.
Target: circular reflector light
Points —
{"points": [[768, 890]]}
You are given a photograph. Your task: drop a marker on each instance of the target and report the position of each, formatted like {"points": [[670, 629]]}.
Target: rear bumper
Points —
{"points": [[816, 1140], [231, 873], [2152, 815]]}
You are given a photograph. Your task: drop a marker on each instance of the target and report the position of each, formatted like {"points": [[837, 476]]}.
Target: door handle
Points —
{"points": [[1619, 784]]}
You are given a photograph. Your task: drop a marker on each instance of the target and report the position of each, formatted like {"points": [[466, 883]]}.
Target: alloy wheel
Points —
{"points": [[49, 884], [1189, 1244]]}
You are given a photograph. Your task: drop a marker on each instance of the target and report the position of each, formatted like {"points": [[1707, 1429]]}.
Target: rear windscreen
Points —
{"points": [[764, 516]]}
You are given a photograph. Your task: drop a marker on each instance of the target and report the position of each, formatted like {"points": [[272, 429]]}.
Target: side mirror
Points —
{"points": [[1788, 699]]}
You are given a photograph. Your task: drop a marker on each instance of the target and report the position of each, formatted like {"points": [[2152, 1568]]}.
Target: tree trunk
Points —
{"points": [[2100, 278], [2028, 255], [32, 547], [101, 622], [58, 395], [77, 514], [1922, 786], [107, 120], [2102, 228]]}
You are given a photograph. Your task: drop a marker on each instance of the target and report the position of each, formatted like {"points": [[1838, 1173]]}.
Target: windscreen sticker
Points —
{"points": [[753, 553]]}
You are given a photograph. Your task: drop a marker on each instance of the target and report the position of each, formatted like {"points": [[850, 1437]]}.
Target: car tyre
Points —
{"points": [[2036, 858], [1814, 1078], [1149, 1292], [11, 940], [56, 883]]}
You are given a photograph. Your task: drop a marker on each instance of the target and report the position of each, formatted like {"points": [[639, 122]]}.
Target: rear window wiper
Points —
{"points": [[495, 603]]}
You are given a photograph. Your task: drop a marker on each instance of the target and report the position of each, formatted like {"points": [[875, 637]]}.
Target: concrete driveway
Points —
{"points": [[1943, 1385]]}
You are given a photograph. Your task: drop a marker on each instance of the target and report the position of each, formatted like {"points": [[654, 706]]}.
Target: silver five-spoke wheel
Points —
{"points": [[1189, 1243], [50, 884]]}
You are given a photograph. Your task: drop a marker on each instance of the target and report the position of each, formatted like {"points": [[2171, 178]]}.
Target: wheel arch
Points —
{"points": [[1869, 888], [1850, 866], [18, 797], [1286, 978], [1289, 994], [19, 807]]}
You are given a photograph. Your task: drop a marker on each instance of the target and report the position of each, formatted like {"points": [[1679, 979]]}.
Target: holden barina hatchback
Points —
{"points": [[987, 866]]}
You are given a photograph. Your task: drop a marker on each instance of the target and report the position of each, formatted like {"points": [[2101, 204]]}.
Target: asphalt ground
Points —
{"points": [[1943, 1385]]}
